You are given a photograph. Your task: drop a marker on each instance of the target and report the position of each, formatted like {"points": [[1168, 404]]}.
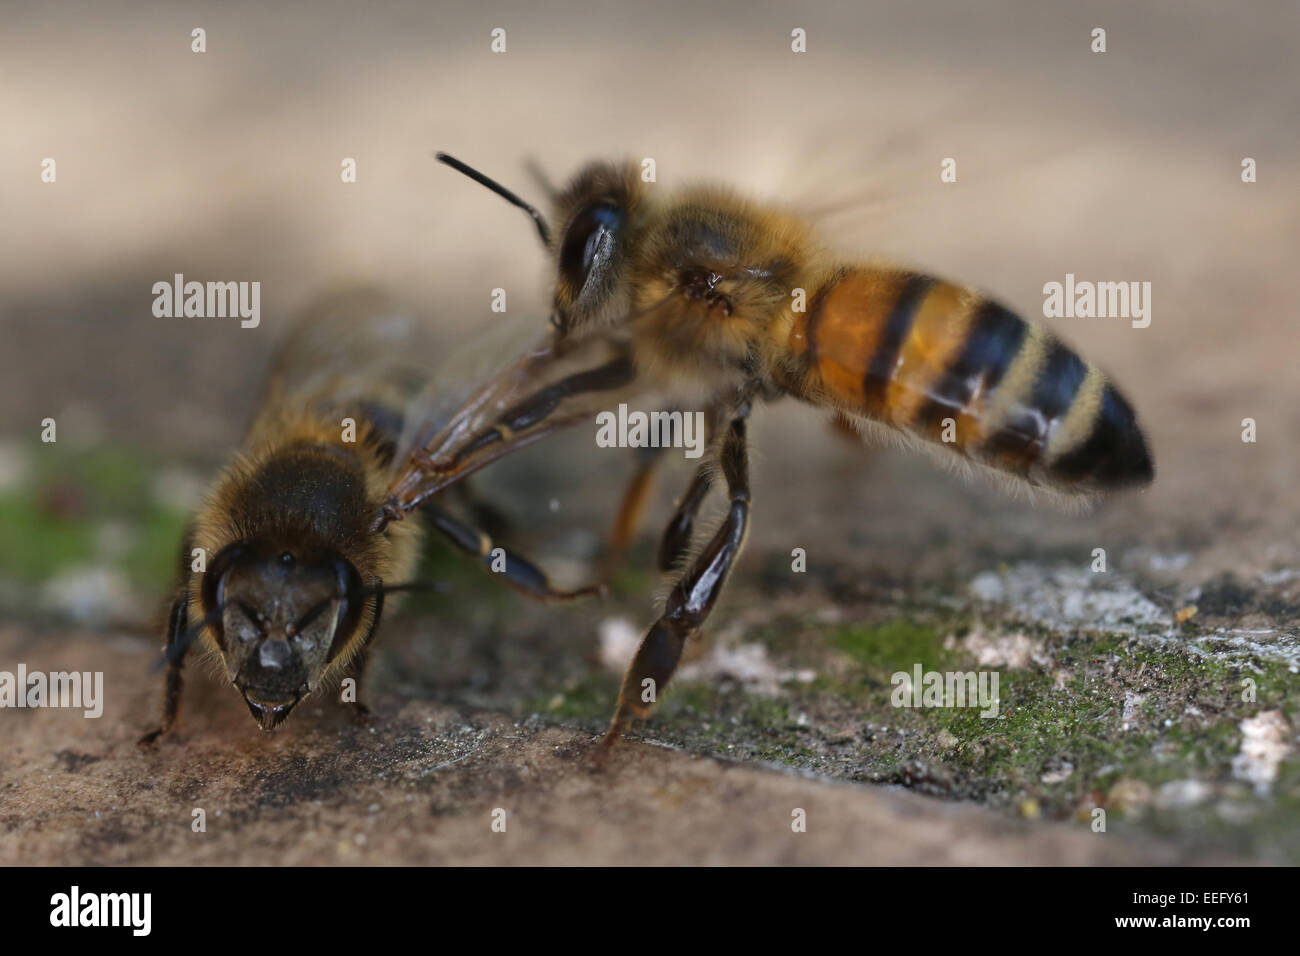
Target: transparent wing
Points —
{"points": [[351, 352], [355, 352], [534, 392], [468, 382]]}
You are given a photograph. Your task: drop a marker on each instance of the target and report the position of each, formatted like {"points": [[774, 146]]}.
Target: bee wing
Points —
{"points": [[355, 354], [349, 353], [468, 385], [534, 392]]}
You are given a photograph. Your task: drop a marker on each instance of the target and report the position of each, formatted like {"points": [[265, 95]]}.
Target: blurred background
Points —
{"points": [[225, 165]]}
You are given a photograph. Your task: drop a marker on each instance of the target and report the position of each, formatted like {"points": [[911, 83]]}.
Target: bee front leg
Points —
{"points": [[357, 671], [512, 569], [177, 623], [691, 599], [357, 668]]}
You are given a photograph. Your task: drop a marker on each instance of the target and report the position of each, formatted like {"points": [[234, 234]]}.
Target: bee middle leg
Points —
{"points": [[630, 509], [516, 571], [676, 540], [692, 598], [177, 624]]}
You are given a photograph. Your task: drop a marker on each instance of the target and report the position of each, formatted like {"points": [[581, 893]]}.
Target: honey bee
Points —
{"points": [[704, 296], [282, 580]]}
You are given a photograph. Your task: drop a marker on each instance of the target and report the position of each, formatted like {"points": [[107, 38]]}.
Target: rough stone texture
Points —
{"points": [[422, 785]]}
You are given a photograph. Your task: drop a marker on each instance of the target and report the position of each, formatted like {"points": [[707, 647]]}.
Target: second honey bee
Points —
{"points": [[703, 298], [282, 579]]}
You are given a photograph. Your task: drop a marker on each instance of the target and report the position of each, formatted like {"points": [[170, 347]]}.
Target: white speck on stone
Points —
{"points": [[746, 663], [1169, 562], [15, 466], [1131, 704], [618, 642], [1066, 597], [1016, 651], [1265, 743], [1179, 794], [1059, 775], [91, 595], [987, 586], [829, 615], [1285, 576]]}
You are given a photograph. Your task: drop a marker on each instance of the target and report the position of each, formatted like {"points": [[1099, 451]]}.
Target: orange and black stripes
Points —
{"points": [[944, 363], [993, 339], [897, 326]]}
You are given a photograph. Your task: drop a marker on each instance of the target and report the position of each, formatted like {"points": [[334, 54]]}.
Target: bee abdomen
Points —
{"points": [[944, 363]]}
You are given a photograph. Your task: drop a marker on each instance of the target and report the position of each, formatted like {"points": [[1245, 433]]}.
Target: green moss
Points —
{"points": [[151, 560], [589, 700], [896, 645], [50, 522]]}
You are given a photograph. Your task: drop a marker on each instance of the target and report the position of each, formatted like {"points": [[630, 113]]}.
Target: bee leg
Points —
{"points": [[177, 623], [530, 419], [631, 509], [357, 671], [513, 569], [485, 514], [691, 599], [360, 712], [537, 408], [677, 536]]}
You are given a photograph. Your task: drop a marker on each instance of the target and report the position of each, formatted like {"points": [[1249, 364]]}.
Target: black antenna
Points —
{"points": [[500, 190]]}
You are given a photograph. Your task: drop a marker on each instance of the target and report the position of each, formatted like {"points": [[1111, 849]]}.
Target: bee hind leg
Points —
{"points": [[691, 599]]}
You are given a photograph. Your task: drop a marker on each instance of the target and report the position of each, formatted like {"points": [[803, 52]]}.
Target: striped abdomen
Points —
{"points": [[952, 367]]}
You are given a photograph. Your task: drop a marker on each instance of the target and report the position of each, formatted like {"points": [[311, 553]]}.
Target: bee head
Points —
{"points": [[286, 613], [597, 212]]}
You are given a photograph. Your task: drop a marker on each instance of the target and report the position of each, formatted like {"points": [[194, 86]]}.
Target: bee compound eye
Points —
{"points": [[590, 242]]}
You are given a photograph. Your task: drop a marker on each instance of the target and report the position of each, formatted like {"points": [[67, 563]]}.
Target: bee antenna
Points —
{"points": [[436, 587], [538, 219]]}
